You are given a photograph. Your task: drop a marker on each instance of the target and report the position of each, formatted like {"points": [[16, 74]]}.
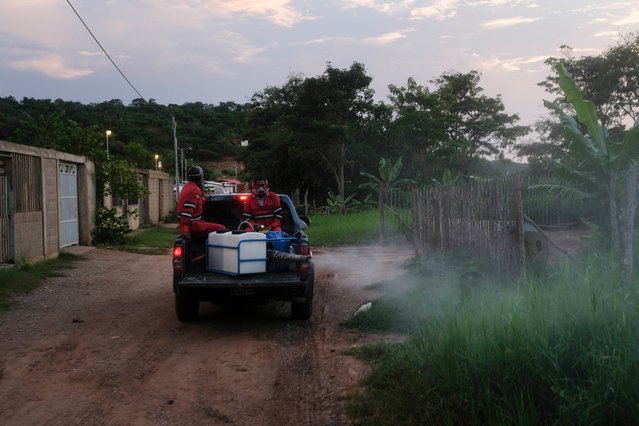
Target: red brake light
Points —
{"points": [[177, 251], [243, 198], [304, 249]]}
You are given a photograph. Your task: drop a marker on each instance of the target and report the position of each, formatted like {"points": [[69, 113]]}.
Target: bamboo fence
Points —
{"points": [[486, 217]]}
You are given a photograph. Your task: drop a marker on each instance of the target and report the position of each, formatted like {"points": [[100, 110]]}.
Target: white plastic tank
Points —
{"points": [[237, 252]]}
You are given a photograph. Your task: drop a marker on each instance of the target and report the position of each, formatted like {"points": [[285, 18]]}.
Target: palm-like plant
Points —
{"points": [[388, 179], [598, 162]]}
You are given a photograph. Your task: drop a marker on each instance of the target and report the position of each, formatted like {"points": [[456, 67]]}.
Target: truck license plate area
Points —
{"points": [[242, 292]]}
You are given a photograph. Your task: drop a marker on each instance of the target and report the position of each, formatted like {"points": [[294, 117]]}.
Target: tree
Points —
{"points": [[419, 130], [122, 181], [306, 132], [609, 80], [332, 111], [388, 179], [451, 126], [476, 121], [45, 131], [601, 161]]}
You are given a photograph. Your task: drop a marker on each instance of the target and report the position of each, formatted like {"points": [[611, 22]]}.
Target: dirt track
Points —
{"points": [[102, 346]]}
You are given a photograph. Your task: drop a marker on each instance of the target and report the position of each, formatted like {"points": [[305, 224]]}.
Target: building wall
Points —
{"points": [[29, 239], [50, 185], [160, 201], [36, 233]]}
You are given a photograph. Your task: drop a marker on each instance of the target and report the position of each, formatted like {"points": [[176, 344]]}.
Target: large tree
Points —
{"points": [[308, 129], [610, 80], [477, 122], [419, 130], [451, 125]]}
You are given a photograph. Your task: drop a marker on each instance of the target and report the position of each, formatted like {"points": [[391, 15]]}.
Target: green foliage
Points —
{"points": [[24, 278], [110, 227], [557, 349], [351, 228], [122, 180], [449, 126], [339, 204]]}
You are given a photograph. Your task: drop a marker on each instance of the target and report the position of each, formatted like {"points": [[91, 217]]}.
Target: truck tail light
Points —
{"points": [[304, 249], [177, 259], [304, 268]]}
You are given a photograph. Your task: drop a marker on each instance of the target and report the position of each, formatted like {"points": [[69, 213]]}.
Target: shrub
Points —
{"points": [[110, 227]]}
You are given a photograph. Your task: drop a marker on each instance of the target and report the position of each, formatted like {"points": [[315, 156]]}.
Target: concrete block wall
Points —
{"points": [[51, 206], [153, 199], [36, 234], [29, 239]]}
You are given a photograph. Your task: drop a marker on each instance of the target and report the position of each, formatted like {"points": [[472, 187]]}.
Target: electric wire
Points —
{"points": [[105, 52]]}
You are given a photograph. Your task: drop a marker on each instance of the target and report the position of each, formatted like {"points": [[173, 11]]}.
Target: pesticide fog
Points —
{"points": [[361, 266]]}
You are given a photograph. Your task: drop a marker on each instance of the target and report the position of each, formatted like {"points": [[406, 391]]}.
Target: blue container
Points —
{"points": [[278, 240]]}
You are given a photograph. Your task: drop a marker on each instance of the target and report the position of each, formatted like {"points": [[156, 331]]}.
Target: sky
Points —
{"points": [[212, 51]]}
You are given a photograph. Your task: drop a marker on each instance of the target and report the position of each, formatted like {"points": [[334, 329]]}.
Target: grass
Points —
{"points": [[24, 278], [560, 348], [351, 228], [149, 240]]}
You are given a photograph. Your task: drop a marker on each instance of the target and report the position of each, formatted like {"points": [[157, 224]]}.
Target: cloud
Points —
{"points": [[439, 10], [508, 22], [496, 3], [606, 34], [382, 7], [52, 66], [313, 41], [632, 18], [389, 37], [279, 12], [514, 64]]}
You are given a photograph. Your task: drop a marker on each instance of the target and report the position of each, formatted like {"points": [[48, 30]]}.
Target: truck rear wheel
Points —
{"points": [[302, 310], [186, 308]]}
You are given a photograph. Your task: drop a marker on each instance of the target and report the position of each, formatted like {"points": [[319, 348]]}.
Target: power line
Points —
{"points": [[105, 52]]}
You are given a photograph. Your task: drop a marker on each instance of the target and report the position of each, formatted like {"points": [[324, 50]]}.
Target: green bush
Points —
{"points": [[110, 227]]}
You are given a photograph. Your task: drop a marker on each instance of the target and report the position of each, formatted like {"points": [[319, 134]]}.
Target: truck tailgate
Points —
{"points": [[210, 279]]}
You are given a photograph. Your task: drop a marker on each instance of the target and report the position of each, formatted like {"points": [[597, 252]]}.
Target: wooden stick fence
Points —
{"points": [[486, 217]]}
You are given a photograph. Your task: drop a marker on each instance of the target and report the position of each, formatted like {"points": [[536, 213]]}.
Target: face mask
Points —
{"points": [[261, 191]]}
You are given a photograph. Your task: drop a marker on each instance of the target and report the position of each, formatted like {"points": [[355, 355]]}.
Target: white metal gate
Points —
{"points": [[5, 209], [68, 188]]}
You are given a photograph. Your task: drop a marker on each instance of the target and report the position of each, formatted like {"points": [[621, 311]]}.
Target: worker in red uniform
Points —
{"points": [[191, 207], [262, 210]]}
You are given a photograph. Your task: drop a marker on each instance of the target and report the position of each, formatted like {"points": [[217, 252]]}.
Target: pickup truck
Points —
{"points": [[288, 274]]}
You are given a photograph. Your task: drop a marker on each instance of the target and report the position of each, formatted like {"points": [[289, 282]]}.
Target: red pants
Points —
{"points": [[200, 229]]}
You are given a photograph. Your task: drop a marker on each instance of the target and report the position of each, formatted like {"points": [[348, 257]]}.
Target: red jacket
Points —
{"points": [[190, 206], [265, 211]]}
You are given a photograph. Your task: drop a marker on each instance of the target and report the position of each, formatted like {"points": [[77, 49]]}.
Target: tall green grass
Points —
{"points": [[560, 348], [350, 228]]}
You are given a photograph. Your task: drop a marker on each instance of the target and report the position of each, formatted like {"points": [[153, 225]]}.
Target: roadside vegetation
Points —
{"points": [[558, 348], [351, 228], [147, 240], [25, 277]]}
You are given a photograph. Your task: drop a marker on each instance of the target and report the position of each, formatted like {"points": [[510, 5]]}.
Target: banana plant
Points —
{"points": [[388, 179], [599, 162]]}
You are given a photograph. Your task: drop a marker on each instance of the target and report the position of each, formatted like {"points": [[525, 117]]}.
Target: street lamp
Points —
{"points": [[108, 133], [156, 161]]}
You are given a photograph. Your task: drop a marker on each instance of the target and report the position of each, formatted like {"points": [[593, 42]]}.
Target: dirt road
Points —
{"points": [[101, 345]]}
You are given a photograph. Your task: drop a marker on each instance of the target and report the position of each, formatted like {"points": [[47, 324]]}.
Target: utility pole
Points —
{"points": [[183, 163], [177, 170]]}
